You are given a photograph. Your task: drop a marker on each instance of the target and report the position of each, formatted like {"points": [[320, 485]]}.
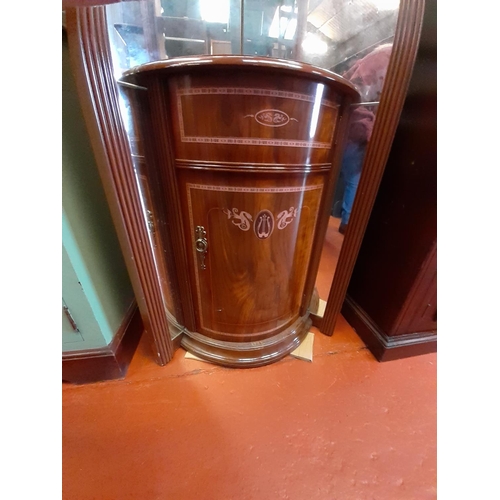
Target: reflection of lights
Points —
{"points": [[315, 113], [283, 26], [214, 11], [274, 62], [314, 45], [290, 29], [385, 4]]}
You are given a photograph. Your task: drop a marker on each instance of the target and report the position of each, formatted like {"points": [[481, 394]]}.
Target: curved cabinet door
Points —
{"points": [[249, 275]]}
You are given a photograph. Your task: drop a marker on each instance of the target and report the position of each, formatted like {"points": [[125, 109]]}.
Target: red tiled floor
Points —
{"points": [[342, 427]]}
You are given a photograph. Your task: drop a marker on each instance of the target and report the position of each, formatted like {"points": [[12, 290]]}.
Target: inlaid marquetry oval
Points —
{"points": [[264, 224], [272, 118]]}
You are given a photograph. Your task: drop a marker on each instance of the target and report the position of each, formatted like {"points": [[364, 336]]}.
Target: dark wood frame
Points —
{"points": [[91, 60], [387, 347], [391, 300], [107, 363], [404, 53]]}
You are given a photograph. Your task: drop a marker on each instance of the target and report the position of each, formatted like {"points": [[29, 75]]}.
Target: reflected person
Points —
{"points": [[368, 75]]}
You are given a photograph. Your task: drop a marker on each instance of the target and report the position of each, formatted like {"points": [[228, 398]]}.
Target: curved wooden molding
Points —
{"points": [[91, 60], [92, 68], [404, 51]]}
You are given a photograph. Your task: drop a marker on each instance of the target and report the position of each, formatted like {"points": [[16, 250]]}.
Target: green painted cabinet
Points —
{"points": [[79, 325], [96, 290]]}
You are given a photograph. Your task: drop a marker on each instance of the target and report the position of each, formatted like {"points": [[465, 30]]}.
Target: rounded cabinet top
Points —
{"points": [[270, 65]]}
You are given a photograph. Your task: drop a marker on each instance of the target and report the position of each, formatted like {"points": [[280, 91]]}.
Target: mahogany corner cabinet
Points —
{"points": [[238, 160]]}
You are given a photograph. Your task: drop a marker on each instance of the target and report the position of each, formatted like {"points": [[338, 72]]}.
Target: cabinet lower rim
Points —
{"points": [[248, 354]]}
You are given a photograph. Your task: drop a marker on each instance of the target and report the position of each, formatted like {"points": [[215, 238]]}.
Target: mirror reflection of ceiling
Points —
{"points": [[340, 20], [339, 30], [336, 31]]}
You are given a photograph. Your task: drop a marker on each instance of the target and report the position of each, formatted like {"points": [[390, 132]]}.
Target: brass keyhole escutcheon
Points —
{"points": [[201, 245]]}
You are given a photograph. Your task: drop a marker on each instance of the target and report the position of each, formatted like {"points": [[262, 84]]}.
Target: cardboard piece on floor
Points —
{"points": [[192, 356], [321, 308], [305, 349]]}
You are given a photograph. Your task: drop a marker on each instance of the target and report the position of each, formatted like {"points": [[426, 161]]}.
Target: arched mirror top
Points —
{"points": [[329, 34], [348, 41]]}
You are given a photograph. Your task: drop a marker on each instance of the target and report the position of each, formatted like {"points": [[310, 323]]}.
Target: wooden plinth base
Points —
{"points": [[247, 354], [385, 347], [107, 363]]}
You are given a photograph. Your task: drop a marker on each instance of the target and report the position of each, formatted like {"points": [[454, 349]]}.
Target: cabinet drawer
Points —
{"points": [[247, 120]]}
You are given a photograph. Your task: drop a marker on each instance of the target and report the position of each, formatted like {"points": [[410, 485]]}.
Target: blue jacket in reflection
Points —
{"points": [[352, 162]]}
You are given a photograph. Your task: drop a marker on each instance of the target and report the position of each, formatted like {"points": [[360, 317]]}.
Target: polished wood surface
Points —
{"points": [[163, 200], [229, 64], [91, 63], [242, 148], [392, 296], [260, 235], [383, 346], [267, 125]]}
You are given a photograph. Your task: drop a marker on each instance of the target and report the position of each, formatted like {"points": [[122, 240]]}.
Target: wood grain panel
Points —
{"points": [[242, 153], [260, 122], [254, 279]]}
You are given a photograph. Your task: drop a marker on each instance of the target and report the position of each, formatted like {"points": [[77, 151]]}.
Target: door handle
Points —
{"points": [[201, 245]]}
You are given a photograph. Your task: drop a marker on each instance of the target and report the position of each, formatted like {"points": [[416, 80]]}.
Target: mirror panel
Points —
{"points": [[352, 38]]}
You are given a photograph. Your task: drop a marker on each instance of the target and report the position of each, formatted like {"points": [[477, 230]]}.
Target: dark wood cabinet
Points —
{"points": [[392, 296], [240, 156]]}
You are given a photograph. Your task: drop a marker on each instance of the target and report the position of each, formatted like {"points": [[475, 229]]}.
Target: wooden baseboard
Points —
{"points": [[381, 345], [107, 363]]}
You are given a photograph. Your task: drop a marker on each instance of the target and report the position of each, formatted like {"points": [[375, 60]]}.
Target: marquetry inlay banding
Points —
{"points": [[266, 117], [272, 118], [264, 220], [256, 92], [241, 189], [240, 219]]}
